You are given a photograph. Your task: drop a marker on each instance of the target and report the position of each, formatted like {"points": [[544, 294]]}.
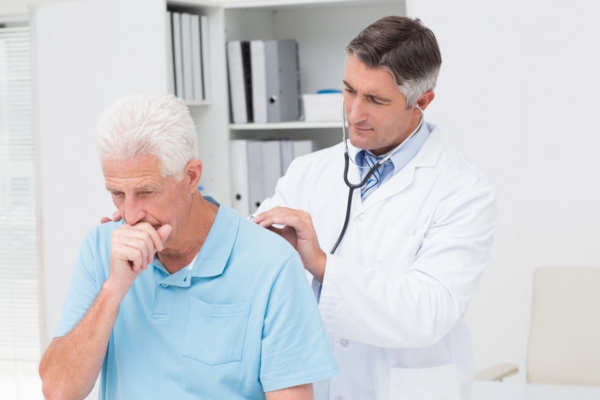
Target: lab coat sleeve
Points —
{"points": [[417, 308]]}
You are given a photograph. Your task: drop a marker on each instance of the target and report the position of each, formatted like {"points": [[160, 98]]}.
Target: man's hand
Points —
{"points": [[115, 217], [300, 232], [133, 248]]}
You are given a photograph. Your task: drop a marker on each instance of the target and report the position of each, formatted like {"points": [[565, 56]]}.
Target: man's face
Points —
{"points": [[142, 194], [377, 116]]}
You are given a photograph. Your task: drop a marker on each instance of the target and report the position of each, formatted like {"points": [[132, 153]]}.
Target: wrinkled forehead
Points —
{"points": [[132, 173]]}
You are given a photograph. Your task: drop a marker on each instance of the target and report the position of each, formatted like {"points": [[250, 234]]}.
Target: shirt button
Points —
{"points": [[165, 285], [361, 217], [344, 343], [339, 398]]}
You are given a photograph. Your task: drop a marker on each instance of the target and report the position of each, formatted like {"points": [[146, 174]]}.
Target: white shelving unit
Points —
{"points": [[285, 125], [322, 29]]}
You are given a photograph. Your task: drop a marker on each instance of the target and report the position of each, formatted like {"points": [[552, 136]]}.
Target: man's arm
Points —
{"points": [[71, 364], [301, 392]]}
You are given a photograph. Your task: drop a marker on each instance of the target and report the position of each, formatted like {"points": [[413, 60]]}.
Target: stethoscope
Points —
{"points": [[353, 186]]}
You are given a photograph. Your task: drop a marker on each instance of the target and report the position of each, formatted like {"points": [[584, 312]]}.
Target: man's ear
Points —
{"points": [[193, 172], [425, 99]]}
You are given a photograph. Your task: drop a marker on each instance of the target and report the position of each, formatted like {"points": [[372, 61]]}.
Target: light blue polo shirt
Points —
{"points": [[242, 321]]}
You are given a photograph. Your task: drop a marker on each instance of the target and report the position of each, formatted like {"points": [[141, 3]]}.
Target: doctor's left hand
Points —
{"points": [[300, 232]]}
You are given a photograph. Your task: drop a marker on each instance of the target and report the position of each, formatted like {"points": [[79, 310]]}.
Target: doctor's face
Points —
{"points": [[377, 116]]}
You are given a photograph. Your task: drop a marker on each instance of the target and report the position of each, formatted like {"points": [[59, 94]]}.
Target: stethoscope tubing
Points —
{"points": [[353, 186]]}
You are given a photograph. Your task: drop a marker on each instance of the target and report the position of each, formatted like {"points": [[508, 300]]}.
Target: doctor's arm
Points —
{"points": [[402, 310]]}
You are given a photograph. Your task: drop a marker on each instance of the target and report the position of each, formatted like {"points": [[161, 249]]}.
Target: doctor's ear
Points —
{"points": [[425, 99]]}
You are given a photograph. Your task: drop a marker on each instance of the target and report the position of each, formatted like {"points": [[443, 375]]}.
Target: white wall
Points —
{"points": [[78, 73], [518, 93]]}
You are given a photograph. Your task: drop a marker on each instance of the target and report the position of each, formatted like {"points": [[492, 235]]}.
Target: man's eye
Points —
{"points": [[375, 101]]}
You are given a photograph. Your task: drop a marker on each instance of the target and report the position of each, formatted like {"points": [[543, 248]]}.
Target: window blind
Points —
{"points": [[19, 311]]}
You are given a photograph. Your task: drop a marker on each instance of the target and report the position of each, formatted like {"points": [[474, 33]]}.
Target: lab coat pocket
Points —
{"points": [[215, 332], [435, 383]]}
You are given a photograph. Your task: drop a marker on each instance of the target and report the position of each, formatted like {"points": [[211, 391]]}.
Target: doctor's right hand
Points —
{"points": [[299, 231], [115, 217], [133, 249]]}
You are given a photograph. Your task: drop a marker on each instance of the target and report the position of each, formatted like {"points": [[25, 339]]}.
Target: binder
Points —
{"points": [[287, 154], [291, 149], [205, 57], [196, 58], [170, 60], [186, 51], [247, 66], [283, 82], [271, 166], [177, 54], [256, 191], [240, 177], [237, 86], [237, 82], [259, 81], [303, 147]]}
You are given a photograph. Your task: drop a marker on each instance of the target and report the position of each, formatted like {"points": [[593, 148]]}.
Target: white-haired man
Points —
{"points": [[179, 300]]}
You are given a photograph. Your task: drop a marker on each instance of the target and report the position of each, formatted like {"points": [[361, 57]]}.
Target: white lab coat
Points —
{"points": [[396, 290]]}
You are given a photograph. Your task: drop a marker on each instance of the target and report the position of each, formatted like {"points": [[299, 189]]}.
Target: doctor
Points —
{"points": [[393, 293]]}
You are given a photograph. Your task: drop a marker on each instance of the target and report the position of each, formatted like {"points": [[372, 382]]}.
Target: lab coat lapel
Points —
{"points": [[426, 157]]}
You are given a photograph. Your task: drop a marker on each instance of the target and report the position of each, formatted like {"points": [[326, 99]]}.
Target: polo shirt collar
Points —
{"points": [[213, 256], [217, 247], [401, 157]]}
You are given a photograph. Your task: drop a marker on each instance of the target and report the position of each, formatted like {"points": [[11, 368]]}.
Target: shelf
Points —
{"points": [[275, 4], [197, 103], [286, 125]]}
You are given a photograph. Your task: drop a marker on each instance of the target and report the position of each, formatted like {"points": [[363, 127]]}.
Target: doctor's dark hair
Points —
{"points": [[154, 124], [406, 48]]}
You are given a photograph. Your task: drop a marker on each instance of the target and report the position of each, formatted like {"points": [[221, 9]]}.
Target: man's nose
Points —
{"points": [[357, 110], [133, 212]]}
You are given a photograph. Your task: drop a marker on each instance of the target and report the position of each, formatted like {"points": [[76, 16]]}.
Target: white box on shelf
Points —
{"points": [[322, 107]]}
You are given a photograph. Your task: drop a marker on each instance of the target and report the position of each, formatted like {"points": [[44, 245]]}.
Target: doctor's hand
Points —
{"points": [[133, 249], [300, 232], [115, 217]]}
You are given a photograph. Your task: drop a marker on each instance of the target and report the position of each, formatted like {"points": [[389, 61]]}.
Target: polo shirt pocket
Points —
{"points": [[215, 332]]}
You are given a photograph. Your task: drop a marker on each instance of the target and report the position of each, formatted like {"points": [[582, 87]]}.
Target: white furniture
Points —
{"points": [[531, 391], [564, 345]]}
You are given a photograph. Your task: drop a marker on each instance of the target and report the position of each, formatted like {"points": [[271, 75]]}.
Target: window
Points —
{"points": [[19, 311]]}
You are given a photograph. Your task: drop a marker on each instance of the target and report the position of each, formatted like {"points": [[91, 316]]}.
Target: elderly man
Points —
{"points": [[180, 300]]}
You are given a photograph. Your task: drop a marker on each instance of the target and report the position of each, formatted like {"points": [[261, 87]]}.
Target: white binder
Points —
{"points": [[196, 58], [240, 177]]}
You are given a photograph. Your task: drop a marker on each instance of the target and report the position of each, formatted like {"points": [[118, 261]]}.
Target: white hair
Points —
{"points": [[412, 89], [158, 125]]}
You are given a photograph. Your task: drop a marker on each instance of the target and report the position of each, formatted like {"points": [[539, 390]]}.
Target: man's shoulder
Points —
{"points": [[453, 166], [261, 240]]}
